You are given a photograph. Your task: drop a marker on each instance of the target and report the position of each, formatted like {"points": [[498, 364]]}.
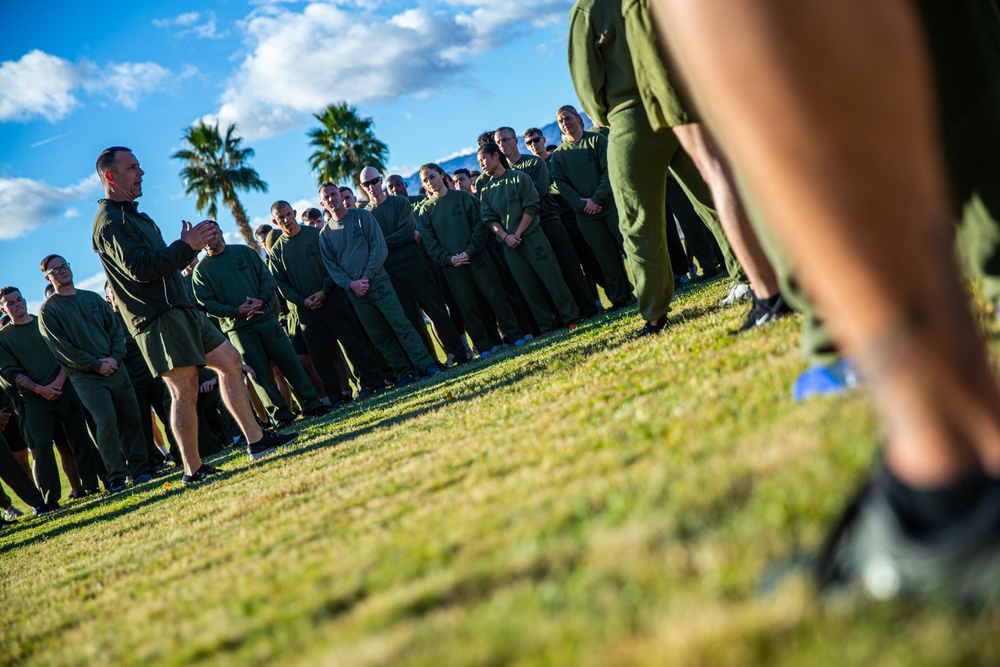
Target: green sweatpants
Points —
{"points": [[536, 271], [383, 319], [266, 341], [605, 239], [638, 159], [417, 290], [112, 405], [473, 282], [40, 418]]}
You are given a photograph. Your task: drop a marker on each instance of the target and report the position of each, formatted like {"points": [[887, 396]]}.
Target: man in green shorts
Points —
{"points": [[85, 336], [233, 284], [354, 253], [47, 399], [175, 338]]}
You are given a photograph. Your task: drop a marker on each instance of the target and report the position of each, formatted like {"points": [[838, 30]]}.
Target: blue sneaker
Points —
{"points": [[521, 341], [835, 378]]}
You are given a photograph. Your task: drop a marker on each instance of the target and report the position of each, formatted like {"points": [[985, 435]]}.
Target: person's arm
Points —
{"points": [[265, 282], [399, 232], [432, 245], [602, 195], [114, 328], [333, 268], [377, 250], [58, 340], [529, 204], [491, 217], [122, 245], [480, 234], [205, 294], [290, 294], [586, 65], [561, 179]]}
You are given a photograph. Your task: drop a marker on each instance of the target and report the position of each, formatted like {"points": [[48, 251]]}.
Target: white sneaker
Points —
{"points": [[12, 513], [738, 293]]}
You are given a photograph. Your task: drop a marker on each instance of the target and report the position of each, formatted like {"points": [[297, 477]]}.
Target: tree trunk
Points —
{"points": [[241, 221]]}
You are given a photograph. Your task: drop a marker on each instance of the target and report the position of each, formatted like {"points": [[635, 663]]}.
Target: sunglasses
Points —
{"points": [[533, 140], [368, 184]]}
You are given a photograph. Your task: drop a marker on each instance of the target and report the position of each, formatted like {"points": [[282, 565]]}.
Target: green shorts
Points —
{"points": [[177, 338]]}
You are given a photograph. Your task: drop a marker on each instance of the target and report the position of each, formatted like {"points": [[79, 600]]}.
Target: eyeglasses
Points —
{"points": [[533, 140], [368, 184], [57, 269]]}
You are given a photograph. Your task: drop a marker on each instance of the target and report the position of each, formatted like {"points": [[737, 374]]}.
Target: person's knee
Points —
{"points": [[225, 359]]}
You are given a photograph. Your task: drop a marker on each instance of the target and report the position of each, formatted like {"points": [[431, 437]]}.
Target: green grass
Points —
{"points": [[591, 499]]}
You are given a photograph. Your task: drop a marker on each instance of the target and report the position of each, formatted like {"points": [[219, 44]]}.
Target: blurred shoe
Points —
{"points": [[269, 443], [651, 329], [828, 380], [521, 341], [409, 378], [116, 487], [432, 370], [738, 293], [763, 311], [142, 479], [12, 513], [47, 508], [199, 475]]}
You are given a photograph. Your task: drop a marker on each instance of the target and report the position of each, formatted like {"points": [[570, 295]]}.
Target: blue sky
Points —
{"points": [[78, 77]]}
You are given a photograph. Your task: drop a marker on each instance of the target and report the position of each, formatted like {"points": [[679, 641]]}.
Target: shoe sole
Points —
{"points": [[259, 455]]}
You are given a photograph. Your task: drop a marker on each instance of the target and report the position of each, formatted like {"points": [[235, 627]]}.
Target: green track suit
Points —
{"points": [[409, 273], [505, 200], [354, 248], [453, 224], [606, 82], [580, 169], [150, 291], [81, 329], [23, 351], [222, 283], [552, 225], [298, 271]]}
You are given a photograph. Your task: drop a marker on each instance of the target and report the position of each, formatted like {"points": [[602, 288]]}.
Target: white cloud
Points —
{"points": [[192, 23], [94, 283], [37, 203], [459, 153], [39, 84], [300, 60]]}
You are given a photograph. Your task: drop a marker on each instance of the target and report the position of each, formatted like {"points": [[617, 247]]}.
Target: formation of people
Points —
{"points": [[841, 205]]}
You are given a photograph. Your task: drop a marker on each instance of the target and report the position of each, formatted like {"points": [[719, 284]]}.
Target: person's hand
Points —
{"points": [[247, 370], [4, 418], [460, 259], [49, 392], [589, 207], [200, 235], [315, 301], [512, 240], [208, 385], [251, 307], [360, 286], [108, 366], [416, 235]]}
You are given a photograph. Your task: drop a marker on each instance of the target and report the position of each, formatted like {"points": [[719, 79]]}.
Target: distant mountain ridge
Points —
{"points": [[552, 136]]}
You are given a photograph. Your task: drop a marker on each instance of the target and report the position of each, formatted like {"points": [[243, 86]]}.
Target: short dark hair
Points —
{"points": [[506, 129], [278, 204], [532, 131], [107, 158], [485, 138], [327, 184], [462, 170], [313, 214], [49, 290], [262, 230], [4, 291], [344, 187], [44, 266]]}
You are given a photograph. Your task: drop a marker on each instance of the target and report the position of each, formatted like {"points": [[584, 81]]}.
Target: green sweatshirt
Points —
{"points": [[396, 220], [538, 170], [81, 329], [353, 247], [297, 266], [223, 282], [451, 225], [143, 270], [580, 169], [507, 198], [599, 59], [23, 351]]}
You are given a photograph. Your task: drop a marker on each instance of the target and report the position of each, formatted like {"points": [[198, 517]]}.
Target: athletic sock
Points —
{"points": [[925, 511], [770, 302]]}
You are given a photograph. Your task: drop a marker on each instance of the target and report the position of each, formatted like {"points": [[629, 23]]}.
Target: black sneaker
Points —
{"points": [[321, 411], [432, 370], [368, 392], [652, 329], [761, 313], [872, 549], [199, 475], [116, 487], [269, 444], [409, 378], [46, 508]]}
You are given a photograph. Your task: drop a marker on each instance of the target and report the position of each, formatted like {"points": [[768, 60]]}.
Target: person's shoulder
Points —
{"points": [[529, 161]]}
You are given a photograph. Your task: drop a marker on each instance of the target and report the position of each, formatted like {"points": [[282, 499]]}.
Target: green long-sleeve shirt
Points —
{"points": [[396, 220], [223, 282], [23, 351], [81, 329], [599, 59], [537, 169], [580, 169], [451, 225], [353, 247], [508, 197], [297, 266], [143, 270]]}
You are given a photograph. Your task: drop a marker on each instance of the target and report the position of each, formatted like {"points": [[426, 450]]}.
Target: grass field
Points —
{"points": [[590, 499]]}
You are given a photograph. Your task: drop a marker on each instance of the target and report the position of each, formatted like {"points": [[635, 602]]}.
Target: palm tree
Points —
{"points": [[345, 144], [218, 166]]}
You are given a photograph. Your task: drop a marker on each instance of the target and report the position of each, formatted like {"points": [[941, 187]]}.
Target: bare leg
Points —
{"points": [[258, 407], [23, 459], [282, 384], [68, 465], [225, 360], [698, 143], [854, 154], [182, 383], [317, 382]]}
